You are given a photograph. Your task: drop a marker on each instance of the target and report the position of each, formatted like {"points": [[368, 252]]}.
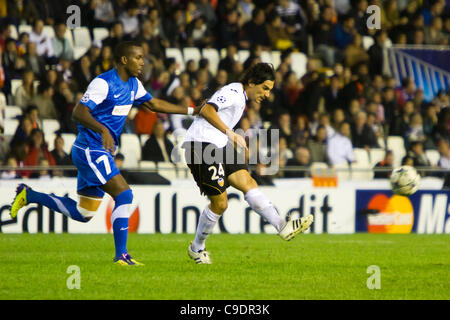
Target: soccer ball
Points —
{"points": [[405, 180]]}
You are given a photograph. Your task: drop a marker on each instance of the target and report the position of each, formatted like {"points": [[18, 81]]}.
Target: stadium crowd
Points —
{"points": [[344, 101]]}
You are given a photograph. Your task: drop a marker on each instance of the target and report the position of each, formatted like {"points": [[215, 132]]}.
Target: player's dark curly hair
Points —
{"points": [[123, 49], [258, 73]]}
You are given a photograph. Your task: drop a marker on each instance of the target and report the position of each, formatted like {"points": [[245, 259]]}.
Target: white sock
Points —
{"points": [[206, 223], [262, 205]]}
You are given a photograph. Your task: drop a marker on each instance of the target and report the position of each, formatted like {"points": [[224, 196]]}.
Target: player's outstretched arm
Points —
{"points": [[158, 105], [210, 114], [82, 114]]}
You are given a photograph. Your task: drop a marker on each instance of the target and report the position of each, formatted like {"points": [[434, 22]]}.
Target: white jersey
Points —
{"points": [[230, 102]]}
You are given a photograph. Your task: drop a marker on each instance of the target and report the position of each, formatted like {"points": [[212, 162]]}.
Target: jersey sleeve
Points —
{"points": [[96, 93], [141, 95], [222, 99]]}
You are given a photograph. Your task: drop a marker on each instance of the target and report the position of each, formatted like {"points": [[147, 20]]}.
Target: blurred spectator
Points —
{"points": [[339, 146], [103, 13], [415, 131], [260, 176], [105, 62], [129, 19], [44, 101], [116, 35], [24, 39], [417, 154], [317, 145], [355, 54], [64, 102], [295, 20], [323, 36], [10, 161], [386, 163], [333, 95], [229, 30], [61, 158], [430, 121], [146, 35], [444, 154], [158, 147], [400, 123], [227, 62], [37, 151], [279, 38], [44, 46], [433, 33], [344, 32], [198, 34], [13, 64], [24, 10], [216, 83], [206, 10], [301, 158], [26, 91], [285, 129], [255, 32], [61, 45], [22, 132], [82, 73], [362, 134], [376, 53], [33, 61]]}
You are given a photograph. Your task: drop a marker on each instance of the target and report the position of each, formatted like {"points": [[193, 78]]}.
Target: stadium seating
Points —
{"points": [[298, 63], [147, 164], [69, 139], [361, 156], [318, 168], [397, 145], [100, 34], [276, 59], [15, 83], [82, 41], [143, 138], [376, 155], [167, 170], [367, 42], [213, 57], [25, 28], [243, 55], [342, 171], [13, 32], [433, 156], [190, 53], [50, 126], [10, 127], [130, 147], [49, 31], [12, 112], [177, 55], [361, 171]]}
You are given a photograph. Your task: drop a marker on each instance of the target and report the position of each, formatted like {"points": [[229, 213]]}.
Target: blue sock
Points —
{"points": [[64, 205], [119, 221]]}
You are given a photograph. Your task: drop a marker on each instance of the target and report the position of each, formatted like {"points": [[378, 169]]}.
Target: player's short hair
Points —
{"points": [[258, 73], [123, 49]]}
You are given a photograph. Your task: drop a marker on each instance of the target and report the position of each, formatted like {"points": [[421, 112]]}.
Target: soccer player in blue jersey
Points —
{"points": [[101, 114]]}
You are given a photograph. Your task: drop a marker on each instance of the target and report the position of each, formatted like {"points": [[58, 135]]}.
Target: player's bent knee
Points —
{"points": [[88, 206], [219, 205]]}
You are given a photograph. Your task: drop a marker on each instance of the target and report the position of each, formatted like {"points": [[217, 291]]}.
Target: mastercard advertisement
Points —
{"points": [[380, 211]]}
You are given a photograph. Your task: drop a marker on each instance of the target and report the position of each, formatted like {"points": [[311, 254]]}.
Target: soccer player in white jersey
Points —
{"points": [[101, 114], [209, 134]]}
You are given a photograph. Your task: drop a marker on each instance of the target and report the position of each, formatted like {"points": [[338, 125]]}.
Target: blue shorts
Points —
{"points": [[95, 168]]}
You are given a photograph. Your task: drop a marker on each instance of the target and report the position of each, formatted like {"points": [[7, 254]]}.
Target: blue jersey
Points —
{"points": [[110, 99]]}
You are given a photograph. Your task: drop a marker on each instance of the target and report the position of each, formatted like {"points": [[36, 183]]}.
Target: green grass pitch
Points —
{"points": [[253, 267]]}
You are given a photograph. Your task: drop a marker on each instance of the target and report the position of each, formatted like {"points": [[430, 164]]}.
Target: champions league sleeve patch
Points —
{"points": [[85, 98], [221, 99]]}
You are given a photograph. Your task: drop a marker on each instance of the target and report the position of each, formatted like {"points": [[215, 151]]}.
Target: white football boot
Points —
{"points": [[293, 227], [201, 257]]}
